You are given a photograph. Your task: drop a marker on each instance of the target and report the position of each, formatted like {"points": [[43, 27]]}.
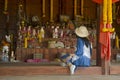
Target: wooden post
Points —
{"points": [[98, 48], [105, 67], [101, 62]]}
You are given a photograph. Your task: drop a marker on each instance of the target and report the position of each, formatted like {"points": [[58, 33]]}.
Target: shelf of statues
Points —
{"points": [[29, 37], [49, 43]]}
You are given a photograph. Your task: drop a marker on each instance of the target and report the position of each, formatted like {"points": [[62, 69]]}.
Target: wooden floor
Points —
{"points": [[115, 68], [19, 69], [44, 69], [62, 77]]}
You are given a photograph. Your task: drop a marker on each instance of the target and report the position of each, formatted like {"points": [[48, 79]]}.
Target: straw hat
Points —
{"points": [[81, 31]]}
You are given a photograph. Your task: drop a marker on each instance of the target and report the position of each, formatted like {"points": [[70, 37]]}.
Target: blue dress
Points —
{"points": [[83, 54]]}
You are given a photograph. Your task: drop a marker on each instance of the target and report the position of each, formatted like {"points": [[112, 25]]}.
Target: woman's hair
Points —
{"points": [[87, 43]]}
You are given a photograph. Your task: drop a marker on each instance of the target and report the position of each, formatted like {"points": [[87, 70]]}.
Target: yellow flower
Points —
{"points": [[111, 29], [104, 30]]}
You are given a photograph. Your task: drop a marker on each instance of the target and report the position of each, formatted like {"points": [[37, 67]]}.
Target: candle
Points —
{"points": [[39, 38], [117, 42], [25, 43]]}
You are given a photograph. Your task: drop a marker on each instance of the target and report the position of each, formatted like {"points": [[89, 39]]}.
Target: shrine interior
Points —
{"points": [[37, 31]]}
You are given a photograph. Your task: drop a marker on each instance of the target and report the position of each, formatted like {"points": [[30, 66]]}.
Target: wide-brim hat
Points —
{"points": [[82, 31]]}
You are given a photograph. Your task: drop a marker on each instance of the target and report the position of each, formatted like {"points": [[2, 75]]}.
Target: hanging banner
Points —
{"points": [[75, 7], [43, 6], [6, 3], [5, 7], [51, 10]]}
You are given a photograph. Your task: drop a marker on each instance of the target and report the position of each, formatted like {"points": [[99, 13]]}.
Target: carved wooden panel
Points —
{"points": [[2, 19]]}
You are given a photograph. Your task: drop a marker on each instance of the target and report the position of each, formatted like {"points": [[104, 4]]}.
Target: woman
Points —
{"points": [[83, 49]]}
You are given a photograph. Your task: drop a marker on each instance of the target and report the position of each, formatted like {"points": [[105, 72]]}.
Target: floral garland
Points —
{"points": [[5, 7], [107, 16]]}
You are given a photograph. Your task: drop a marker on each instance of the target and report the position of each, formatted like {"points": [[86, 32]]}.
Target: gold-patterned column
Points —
{"points": [[51, 10], [43, 7], [75, 7]]}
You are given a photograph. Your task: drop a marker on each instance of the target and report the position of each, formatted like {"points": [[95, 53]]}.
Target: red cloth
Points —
{"points": [[100, 1], [105, 43], [97, 1]]}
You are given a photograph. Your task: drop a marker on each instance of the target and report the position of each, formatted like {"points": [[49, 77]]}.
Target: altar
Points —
{"points": [[50, 54]]}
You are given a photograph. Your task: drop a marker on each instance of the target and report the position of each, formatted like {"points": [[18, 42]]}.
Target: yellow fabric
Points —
{"points": [[25, 43], [117, 42]]}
